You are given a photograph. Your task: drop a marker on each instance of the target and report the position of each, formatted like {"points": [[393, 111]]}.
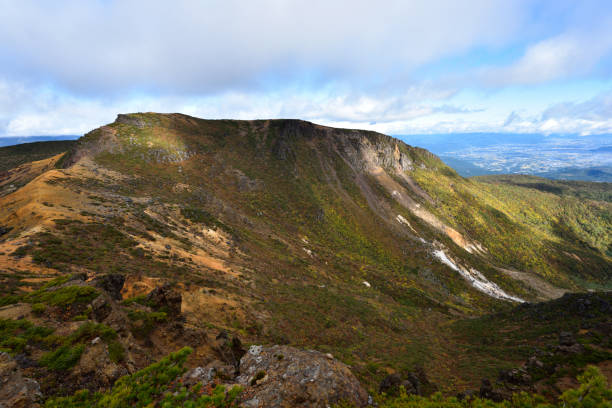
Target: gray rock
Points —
{"points": [[282, 376], [16, 391], [100, 308]]}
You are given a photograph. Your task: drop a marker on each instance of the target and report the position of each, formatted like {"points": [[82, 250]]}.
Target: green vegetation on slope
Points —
{"points": [[154, 386], [565, 239], [593, 392]]}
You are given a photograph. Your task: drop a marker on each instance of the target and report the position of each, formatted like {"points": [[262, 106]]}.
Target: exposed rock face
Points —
{"points": [[130, 120], [282, 376], [166, 299], [15, 390], [111, 284]]}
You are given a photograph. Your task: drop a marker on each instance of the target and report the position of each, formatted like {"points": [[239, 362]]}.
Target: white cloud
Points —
{"points": [[68, 66], [27, 110], [189, 46], [571, 54]]}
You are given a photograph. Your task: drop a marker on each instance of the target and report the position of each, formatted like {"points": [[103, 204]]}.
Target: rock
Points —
{"points": [[515, 376], [229, 348], [111, 283], [5, 230], [95, 369], [196, 375], [100, 308], [206, 375], [568, 344], [24, 361], [165, 299], [81, 276], [487, 391], [467, 395], [16, 391], [534, 363], [566, 339], [392, 384], [282, 376], [132, 120]]}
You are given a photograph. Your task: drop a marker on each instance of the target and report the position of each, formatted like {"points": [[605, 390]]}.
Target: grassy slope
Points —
{"points": [[580, 189], [549, 228]]}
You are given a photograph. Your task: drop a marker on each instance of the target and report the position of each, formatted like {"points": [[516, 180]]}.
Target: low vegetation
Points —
{"points": [[593, 392], [154, 386]]}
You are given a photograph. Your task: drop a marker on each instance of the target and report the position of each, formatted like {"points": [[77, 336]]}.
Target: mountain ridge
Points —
{"points": [[284, 231]]}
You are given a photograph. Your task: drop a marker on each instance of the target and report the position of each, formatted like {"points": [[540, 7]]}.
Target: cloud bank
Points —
{"points": [[67, 66]]}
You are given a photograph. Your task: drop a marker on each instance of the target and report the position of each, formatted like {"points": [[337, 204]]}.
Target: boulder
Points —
{"points": [[487, 391], [283, 376], [206, 375], [515, 376], [165, 299], [568, 344], [95, 370], [566, 339], [16, 391], [100, 308], [111, 283], [392, 384], [228, 348]]}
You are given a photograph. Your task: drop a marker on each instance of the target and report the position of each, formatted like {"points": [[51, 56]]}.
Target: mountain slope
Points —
{"points": [[13, 156], [289, 232]]}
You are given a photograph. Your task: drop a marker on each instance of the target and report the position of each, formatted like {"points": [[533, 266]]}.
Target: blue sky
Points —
{"points": [[399, 67]]}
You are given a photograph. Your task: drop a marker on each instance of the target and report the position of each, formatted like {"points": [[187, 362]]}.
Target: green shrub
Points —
{"points": [[16, 334], [9, 300], [116, 351], [38, 308], [144, 322], [64, 297], [140, 299], [63, 358], [593, 392]]}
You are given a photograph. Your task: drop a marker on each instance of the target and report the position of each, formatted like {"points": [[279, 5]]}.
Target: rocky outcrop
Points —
{"points": [[16, 391], [283, 376], [95, 369], [165, 299], [132, 120], [111, 283]]}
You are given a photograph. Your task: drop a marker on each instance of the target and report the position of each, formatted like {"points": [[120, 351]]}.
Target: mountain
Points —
{"points": [[281, 232], [15, 140], [13, 156]]}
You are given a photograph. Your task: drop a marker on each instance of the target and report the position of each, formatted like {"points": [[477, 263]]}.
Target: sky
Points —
{"points": [[398, 67]]}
